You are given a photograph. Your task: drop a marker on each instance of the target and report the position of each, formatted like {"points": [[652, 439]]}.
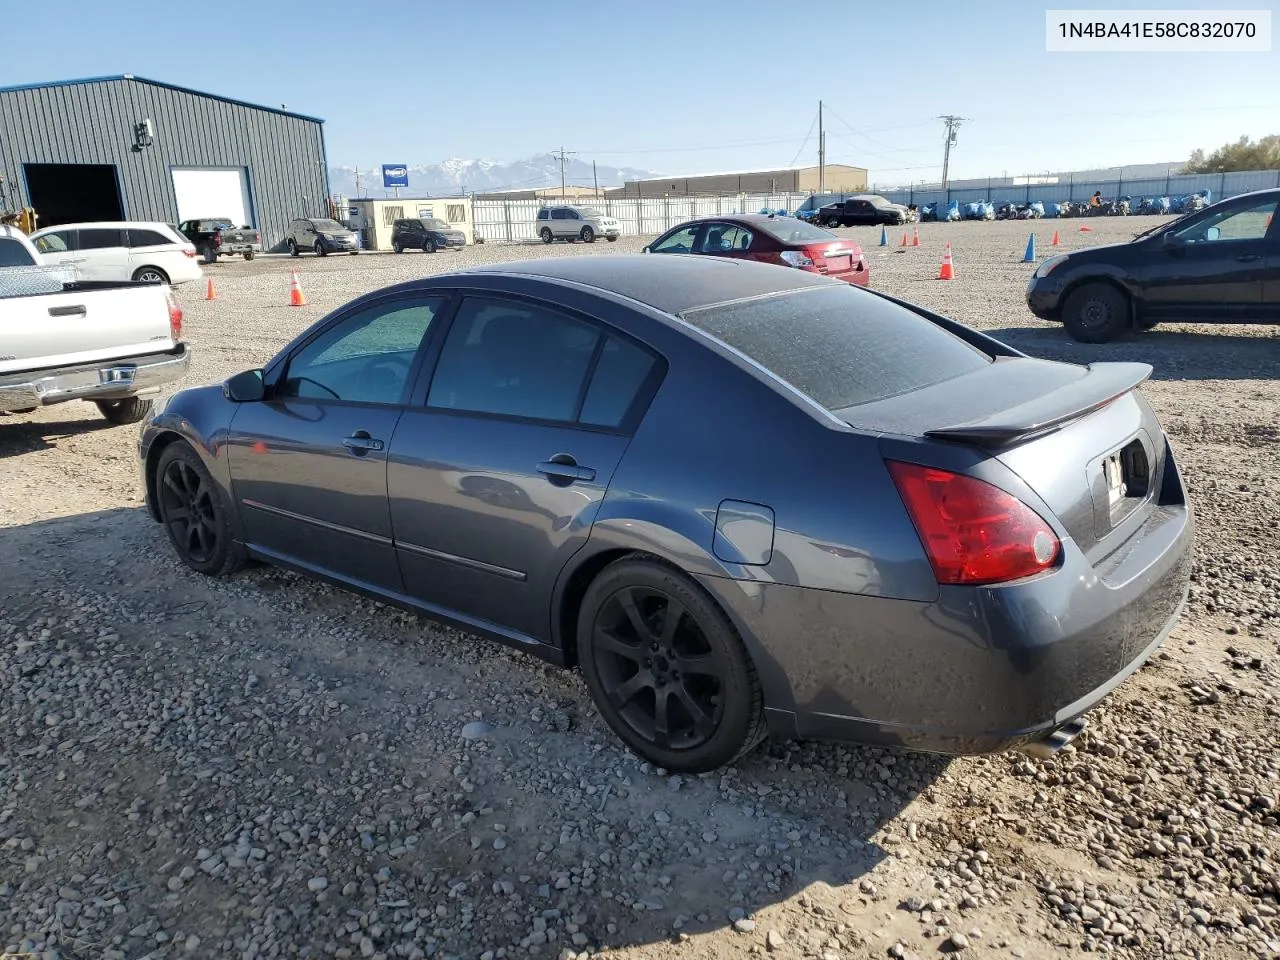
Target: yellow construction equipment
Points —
{"points": [[11, 215]]}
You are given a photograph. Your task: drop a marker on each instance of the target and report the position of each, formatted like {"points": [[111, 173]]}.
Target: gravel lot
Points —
{"points": [[268, 767]]}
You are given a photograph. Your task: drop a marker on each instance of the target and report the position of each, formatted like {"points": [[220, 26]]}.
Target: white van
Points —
{"points": [[154, 252]]}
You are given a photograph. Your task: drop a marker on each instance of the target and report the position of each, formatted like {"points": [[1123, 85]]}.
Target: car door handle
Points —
{"points": [[361, 443], [1248, 257], [77, 310], [564, 468]]}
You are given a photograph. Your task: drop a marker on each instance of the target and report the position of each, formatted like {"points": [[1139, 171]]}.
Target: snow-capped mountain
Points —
{"points": [[476, 176]]}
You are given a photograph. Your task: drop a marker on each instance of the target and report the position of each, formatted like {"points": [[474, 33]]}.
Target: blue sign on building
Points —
{"points": [[395, 175]]}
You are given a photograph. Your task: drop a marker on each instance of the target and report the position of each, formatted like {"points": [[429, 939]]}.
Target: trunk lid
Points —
{"points": [[1083, 438], [839, 256]]}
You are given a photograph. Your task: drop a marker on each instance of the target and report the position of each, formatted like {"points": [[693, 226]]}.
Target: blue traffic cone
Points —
{"points": [[1030, 255], [884, 236]]}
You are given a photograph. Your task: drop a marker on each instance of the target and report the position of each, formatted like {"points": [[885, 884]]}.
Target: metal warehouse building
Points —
{"points": [[125, 148], [833, 178]]}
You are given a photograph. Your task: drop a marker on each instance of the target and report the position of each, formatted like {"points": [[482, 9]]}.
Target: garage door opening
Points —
{"points": [[206, 193], [73, 192]]}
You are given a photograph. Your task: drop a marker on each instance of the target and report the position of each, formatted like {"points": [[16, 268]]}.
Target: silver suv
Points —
{"points": [[576, 223]]}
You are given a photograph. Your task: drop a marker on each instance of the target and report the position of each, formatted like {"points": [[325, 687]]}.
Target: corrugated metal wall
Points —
{"points": [[94, 123]]}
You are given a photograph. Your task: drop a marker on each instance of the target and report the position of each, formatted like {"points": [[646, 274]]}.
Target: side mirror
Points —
{"points": [[645, 249], [246, 387], [1170, 239], [1213, 233]]}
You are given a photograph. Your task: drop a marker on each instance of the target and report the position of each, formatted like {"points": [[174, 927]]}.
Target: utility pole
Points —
{"points": [[595, 179], [952, 123], [822, 154], [358, 182], [562, 154]]}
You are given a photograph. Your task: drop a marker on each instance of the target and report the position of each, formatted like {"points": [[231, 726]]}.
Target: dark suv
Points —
{"points": [[425, 233]]}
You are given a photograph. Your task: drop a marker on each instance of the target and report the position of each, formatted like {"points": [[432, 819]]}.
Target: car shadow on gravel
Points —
{"points": [[354, 717], [19, 435], [1175, 354]]}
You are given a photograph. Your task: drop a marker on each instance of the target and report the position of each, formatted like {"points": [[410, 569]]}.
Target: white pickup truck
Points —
{"points": [[61, 338]]}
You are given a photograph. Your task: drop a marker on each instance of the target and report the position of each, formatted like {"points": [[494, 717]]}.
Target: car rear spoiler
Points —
{"points": [[1103, 383]]}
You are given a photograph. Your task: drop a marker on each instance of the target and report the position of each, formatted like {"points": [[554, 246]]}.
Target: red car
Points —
{"points": [[768, 239]]}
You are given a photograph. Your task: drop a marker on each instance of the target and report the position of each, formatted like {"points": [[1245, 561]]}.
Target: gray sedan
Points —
{"points": [[743, 499]]}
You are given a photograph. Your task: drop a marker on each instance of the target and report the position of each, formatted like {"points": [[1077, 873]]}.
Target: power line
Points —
{"points": [[805, 143], [563, 155]]}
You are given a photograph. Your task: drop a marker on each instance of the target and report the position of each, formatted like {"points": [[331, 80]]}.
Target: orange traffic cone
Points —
{"points": [[915, 236], [948, 271], [904, 238], [1086, 229], [1055, 239], [210, 292], [296, 298]]}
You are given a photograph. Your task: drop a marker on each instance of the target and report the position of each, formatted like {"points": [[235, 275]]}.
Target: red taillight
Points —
{"points": [[175, 318], [973, 532]]}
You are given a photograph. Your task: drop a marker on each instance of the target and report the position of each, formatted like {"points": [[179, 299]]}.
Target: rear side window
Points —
{"points": [[14, 254], [102, 238], [840, 346], [513, 359], [621, 374], [147, 238]]}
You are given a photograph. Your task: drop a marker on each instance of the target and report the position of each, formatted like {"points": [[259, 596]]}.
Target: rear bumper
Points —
{"points": [[857, 277], [108, 380], [978, 670], [240, 248]]}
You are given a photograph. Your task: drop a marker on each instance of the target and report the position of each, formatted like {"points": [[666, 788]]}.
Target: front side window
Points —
{"points": [[1250, 223], [679, 242], [365, 358], [513, 359], [54, 243]]}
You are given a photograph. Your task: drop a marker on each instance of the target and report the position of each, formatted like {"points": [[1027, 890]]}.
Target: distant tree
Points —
{"points": [[1244, 154]]}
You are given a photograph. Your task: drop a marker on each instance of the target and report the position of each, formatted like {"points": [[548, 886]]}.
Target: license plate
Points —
{"points": [[1114, 474], [838, 264]]}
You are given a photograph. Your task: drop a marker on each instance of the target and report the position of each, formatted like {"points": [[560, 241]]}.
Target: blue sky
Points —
{"points": [[676, 86]]}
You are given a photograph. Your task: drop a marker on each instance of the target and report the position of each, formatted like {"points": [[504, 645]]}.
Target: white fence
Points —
{"points": [[515, 221]]}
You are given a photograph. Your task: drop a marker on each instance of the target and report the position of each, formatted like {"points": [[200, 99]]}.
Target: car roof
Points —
{"points": [[110, 225], [671, 282]]}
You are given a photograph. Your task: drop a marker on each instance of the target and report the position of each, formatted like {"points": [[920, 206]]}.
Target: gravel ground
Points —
{"points": [[269, 767]]}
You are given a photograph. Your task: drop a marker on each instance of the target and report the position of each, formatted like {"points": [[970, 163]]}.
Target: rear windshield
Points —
{"points": [[788, 230], [840, 346]]}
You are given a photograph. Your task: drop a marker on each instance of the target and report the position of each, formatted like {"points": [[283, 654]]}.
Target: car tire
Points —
{"points": [[194, 513], [588, 235], [397, 247], [612, 239], [126, 411], [429, 245], [630, 662], [545, 234], [1096, 313], [320, 249], [293, 248], [210, 255], [150, 275], [250, 254]]}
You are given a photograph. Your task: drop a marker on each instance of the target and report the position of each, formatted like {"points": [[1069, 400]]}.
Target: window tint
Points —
{"points": [[14, 254], [53, 243], [679, 242], [559, 214], [544, 214], [620, 372], [1250, 223], [365, 358], [514, 359], [101, 238], [840, 346], [147, 238]]}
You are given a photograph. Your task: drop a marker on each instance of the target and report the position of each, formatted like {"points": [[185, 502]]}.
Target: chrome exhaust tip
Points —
{"points": [[1052, 743]]}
